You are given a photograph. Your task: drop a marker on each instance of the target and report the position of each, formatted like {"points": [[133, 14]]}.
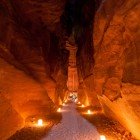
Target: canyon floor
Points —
{"points": [[72, 127], [76, 125]]}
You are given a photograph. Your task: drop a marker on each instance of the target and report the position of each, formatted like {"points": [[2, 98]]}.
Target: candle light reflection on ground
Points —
{"points": [[102, 137]]}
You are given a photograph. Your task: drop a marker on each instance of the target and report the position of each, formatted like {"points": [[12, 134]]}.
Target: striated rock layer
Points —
{"points": [[116, 71]]}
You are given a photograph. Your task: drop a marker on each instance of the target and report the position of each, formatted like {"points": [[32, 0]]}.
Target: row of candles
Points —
{"points": [[40, 121], [88, 111]]}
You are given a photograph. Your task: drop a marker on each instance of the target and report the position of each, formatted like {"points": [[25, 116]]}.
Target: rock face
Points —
{"points": [[38, 12], [117, 58], [8, 118], [85, 61], [30, 61], [25, 94]]}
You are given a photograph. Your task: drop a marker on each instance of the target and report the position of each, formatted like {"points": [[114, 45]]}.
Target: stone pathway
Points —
{"points": [[72, 127]]}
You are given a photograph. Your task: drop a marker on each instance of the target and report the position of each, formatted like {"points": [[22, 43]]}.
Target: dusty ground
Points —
{"points": [[105, 126], [112, 129], [34, 133], [72, 127]]}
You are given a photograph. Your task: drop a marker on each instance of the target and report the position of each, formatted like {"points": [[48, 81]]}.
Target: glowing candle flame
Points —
{"points": [[79, 102], [102, 137], [59, 110], [89, 112], [40, 122], [82, 106]]}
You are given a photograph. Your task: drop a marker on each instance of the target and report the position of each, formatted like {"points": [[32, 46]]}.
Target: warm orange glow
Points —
{"points": [[102, 137], [83, 105], [79, 102], [59, 110], [63, 104], [89, 112], [40, 122]]}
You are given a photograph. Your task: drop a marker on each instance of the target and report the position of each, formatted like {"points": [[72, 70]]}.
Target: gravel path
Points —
{"points": [[72, 127]]}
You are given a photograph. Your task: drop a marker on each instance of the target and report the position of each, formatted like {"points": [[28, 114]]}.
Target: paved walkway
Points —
{"points": [[72, 127]]}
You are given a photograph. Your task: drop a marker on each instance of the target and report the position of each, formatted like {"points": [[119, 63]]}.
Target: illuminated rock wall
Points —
{"points": [[30, 63], [10, 120], [117, 58]]}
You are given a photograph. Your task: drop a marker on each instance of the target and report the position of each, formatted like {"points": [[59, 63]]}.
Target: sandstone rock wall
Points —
{"points": [[29, 61], [117, 58], [85, 61], [8, 118]]}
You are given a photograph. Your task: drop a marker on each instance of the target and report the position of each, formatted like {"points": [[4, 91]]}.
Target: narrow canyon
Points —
{"points": [[56, 53]]}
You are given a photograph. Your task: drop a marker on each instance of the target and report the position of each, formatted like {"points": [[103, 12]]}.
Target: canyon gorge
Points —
{"points": [[34, 59]]}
